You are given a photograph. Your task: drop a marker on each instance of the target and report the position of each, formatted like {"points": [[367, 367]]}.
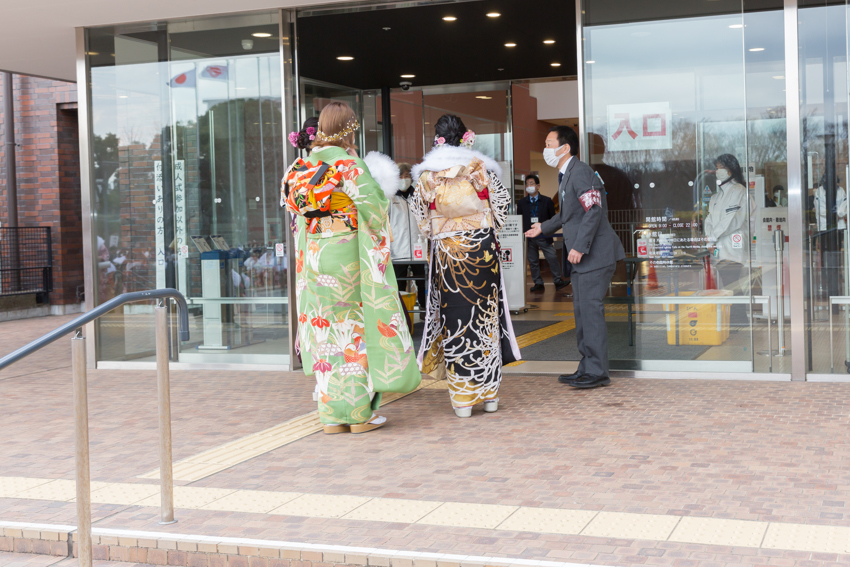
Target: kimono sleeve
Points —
{"points": [[500, 200], [420, 204], [371, 202]]}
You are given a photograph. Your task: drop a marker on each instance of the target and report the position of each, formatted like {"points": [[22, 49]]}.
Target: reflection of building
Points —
{"points": [[657, 91], [48, 172]]}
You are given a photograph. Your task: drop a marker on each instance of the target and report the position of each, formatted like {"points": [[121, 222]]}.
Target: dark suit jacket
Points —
{"points": [[544, 208], [584, 218]]}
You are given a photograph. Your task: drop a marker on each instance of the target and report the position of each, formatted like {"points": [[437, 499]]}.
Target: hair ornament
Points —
{"points": [[468, 139], [293, 139], [350, 128], [439, 141]]}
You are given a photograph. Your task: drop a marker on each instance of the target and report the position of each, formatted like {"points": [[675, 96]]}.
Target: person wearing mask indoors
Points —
{"points": [[731, 212], [821, 205], [593, 249], [535, 208], [408, 244]]}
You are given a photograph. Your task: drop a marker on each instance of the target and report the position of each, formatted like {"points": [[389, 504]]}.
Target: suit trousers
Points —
{"points": [[532, 248], [589, 289]]}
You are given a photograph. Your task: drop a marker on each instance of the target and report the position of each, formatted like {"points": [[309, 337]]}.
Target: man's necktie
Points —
{"points": [[560, 178]]}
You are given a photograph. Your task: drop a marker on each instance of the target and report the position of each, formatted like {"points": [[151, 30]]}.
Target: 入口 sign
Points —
{"points": [[644, 126]]}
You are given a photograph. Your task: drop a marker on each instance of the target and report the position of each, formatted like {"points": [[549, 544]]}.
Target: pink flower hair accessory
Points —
{"points": [[293, 139], [439, 141], [468, 139]]}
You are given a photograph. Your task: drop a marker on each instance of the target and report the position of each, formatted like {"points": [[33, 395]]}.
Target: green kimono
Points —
{"points": [[353, 333]]}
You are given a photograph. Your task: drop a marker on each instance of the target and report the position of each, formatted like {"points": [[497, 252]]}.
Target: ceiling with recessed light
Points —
{"points": [[478, 45]]}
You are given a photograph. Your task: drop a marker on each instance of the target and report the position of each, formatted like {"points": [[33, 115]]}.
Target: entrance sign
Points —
{"points": [[181, 235], [644, 126], [513, 261], [159, 225]]}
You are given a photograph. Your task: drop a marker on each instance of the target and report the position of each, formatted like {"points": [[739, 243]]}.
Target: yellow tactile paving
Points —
{"points": [[11, 485], [464, 515], [631, 526], [320, 505], [651, 527], [546, 333], [719, 531], [190, 497], [123, 493], [254, 501], [57, 490], [799, 537], [225, 456], [392, 510], [548, 520]]}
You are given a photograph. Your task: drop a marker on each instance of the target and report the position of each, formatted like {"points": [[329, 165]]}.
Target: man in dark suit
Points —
{"points": [[594, 251], [535, 208]]}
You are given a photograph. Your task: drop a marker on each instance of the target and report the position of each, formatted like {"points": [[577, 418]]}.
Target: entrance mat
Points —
{"points": [[651, 344]]}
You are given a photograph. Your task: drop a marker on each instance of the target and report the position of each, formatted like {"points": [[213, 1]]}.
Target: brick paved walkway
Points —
{"points": [[756, 451]]}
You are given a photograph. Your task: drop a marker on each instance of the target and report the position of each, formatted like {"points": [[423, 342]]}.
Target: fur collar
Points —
{"points": [[445, 157], [383, 170]]}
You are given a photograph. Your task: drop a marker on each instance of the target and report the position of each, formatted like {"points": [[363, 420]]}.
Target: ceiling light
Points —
{"points": [[556, 64], [548, 41], [345, 58], [484, 97], [591, 62], [261, 34], [510, 45], [408, 76], [736, 26], [122, 96], [449, 18], [499, 69], [387, 29], [93, 53], [757, 49], [493, 14], [779, 77]]}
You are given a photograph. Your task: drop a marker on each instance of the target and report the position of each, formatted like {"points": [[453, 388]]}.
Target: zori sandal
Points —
{"points": [[374, 423]]}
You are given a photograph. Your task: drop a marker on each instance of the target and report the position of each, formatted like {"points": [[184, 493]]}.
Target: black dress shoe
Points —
{"points": [[561, 284], [589, 381], [569, 378], [537, 287]]}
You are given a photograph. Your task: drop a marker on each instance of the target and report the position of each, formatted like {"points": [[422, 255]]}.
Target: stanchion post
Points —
{"points": [[81, 449], [163, 385]]}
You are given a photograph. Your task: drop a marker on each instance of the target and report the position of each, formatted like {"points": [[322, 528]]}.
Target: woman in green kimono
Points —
{"points": [[353, 333]]}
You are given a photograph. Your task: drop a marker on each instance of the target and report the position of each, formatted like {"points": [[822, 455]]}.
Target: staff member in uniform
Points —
{"points": [[536, 208], [726, 225], [594, 250]]}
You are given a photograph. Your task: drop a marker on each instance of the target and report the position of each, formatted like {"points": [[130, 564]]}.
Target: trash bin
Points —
{"points": [[698, 324]]}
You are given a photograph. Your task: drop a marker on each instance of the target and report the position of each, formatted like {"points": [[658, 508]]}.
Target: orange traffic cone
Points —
{"points": [[651, 277]]}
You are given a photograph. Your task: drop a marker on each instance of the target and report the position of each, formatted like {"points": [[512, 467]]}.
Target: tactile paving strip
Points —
{"points": [[719, 531], [631, 526], [463, 515]]}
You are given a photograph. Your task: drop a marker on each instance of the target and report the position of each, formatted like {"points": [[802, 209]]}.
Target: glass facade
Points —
{"points": [[187, 136], [684, 111]]}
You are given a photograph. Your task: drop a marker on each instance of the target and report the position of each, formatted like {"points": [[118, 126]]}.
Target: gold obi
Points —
{"points": [[457, 204]]}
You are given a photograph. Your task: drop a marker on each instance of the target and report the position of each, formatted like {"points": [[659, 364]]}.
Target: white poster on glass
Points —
{"points": [[159, 225]]}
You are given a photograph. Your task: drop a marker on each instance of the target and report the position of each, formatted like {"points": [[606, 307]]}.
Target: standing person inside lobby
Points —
{"points": [[594, 250], [537, 208]]}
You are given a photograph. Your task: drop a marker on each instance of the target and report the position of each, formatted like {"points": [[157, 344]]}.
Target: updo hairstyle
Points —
{"points": [[303, 141], [451, 129], [334, 119]]}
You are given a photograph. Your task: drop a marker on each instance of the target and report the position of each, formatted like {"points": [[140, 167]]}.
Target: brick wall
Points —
{"points": [[48, 174]]}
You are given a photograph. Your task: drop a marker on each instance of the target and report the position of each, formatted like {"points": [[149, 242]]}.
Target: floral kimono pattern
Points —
{"points": [[467, 325], [352, 330]]}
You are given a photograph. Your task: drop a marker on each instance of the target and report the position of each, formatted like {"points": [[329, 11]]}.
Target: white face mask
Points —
{"points": [[722, 174], [403, 184], [531, 189], [551, 157]]}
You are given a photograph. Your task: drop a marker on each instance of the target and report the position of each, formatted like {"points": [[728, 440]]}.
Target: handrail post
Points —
{"points": [[163, 385], [81, 449]]}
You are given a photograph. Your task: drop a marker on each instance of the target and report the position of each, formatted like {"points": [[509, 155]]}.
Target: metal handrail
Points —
{"points": [[81, 411], [89, 316]]}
